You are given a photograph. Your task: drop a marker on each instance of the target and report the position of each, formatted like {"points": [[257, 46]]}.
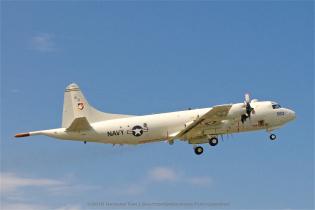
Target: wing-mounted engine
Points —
{"points": [[236, 111], [242, 110]]}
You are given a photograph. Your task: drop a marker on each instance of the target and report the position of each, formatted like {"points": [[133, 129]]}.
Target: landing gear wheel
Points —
{"points": [[272, 137], [198, 150], [213, 141]]}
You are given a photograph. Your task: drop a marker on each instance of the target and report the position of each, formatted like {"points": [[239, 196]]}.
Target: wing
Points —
{"points": [[212, 118]]}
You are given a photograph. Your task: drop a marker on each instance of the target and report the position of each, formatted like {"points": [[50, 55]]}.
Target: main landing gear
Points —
{"points": [[198, 150], [213, 141], [273, 137]]}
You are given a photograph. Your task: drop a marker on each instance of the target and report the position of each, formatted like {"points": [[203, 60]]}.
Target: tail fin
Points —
{"points": [[76, 106]]}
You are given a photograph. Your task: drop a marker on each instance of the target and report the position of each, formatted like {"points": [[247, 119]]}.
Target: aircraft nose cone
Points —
{"points": [[292, 115]]}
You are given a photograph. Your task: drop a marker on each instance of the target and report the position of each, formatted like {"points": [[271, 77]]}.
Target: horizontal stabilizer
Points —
{"points": [[79, 124]]}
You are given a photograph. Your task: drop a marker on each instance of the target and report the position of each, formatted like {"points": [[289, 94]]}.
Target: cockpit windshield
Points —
{"points": [[276, 106]]}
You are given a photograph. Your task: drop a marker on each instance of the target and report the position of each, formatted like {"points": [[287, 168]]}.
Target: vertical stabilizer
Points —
{"points": [[76, 106]]}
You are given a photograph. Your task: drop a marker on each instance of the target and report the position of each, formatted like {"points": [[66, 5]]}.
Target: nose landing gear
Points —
{"points": [[273, 137]]}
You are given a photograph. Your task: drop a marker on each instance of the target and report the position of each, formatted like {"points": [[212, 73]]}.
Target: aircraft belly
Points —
{"points": [[233, 127]]}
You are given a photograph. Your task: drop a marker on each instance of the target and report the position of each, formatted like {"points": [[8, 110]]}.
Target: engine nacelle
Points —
{"points": [[236, 111]]}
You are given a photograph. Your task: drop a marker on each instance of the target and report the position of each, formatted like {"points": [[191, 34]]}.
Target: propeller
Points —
{"points": [[248, 108]]}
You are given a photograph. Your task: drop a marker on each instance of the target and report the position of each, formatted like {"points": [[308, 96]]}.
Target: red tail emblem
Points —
{"points": [[80, 106]]}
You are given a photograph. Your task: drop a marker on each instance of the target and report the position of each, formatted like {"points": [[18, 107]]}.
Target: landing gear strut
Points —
{"points": [[213, 141], [171, 142], [198, 150], [272, 137]]}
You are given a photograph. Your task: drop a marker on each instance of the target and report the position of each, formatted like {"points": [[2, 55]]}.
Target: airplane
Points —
{"points": [[82, 122]]}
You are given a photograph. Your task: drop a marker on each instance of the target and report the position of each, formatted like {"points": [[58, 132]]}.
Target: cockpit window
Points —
{"points": [[276, 106]]}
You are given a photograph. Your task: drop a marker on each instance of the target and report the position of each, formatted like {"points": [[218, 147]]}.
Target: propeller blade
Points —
{"points": [[248, 107], [247, 98]]}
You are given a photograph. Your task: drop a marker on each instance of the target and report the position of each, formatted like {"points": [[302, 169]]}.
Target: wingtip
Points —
{"points": [[19, 135]]}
